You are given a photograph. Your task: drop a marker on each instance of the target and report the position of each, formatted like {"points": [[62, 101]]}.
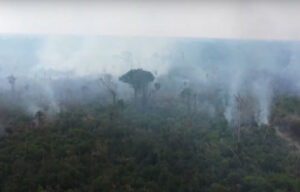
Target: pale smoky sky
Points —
{"points": [[215, 19]]}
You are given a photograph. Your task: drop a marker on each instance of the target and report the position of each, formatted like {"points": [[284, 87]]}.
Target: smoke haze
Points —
{"points": [[59, 66], [223, 48]]}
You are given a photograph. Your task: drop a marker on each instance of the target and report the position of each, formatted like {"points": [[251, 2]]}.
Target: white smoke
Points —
{"points": [[96, 55]]}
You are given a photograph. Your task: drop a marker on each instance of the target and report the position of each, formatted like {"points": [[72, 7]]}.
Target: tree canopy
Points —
{"points": [[137, 78]]}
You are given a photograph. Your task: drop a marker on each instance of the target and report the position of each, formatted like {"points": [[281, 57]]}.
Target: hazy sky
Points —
{"points": [[220, 19]]}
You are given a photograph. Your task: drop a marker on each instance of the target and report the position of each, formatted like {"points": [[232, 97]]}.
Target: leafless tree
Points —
{"points": [[107, 82]]}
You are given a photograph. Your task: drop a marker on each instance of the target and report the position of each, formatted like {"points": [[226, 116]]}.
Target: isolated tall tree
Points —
{"points": [[139, 81], [12, 80]]}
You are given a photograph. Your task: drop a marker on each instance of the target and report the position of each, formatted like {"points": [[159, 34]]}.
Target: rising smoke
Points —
{"points": [[50, 69]]}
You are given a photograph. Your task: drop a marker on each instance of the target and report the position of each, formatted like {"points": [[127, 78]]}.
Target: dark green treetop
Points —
{"points": [[137, 78]]}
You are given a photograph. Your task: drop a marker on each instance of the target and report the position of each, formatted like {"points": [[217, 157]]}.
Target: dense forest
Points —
{"points": [[220, 116], [149, 143]]}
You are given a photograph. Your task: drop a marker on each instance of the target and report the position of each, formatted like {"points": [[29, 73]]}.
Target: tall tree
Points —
{"points": [[139, 81]]}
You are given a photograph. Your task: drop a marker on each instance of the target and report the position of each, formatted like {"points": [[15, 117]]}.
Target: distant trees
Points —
{"points": [[139, 81], [285, 113], [246, 113], [40, 118], [154, 91], [294, 124], [157, 86], [12, 80], [239, 107], [187, 96]]}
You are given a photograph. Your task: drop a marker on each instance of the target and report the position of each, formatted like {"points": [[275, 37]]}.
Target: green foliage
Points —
{"points": [[286, 113], [117, 148]]}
